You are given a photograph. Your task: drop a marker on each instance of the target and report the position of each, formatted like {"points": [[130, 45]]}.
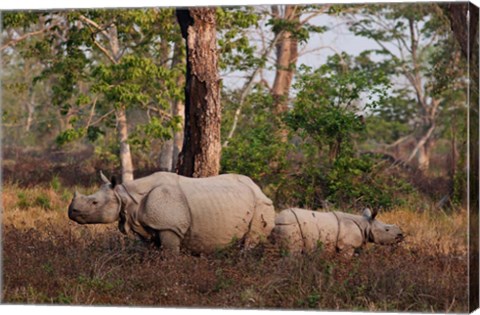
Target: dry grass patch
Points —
{"points": [[49, 259], [434, 231]]}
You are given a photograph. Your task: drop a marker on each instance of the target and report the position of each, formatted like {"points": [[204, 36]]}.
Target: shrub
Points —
{"points": [[43, 202]]}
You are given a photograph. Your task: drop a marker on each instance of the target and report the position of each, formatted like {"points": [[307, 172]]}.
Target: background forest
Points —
{"points": [[370, 128], [316, 124]]}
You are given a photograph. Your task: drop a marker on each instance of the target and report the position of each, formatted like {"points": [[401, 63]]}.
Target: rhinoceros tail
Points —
{"points": [[263, 220]]}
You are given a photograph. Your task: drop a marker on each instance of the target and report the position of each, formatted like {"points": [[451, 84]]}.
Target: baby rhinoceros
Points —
{"points": [[200, 214], [299, 230]]}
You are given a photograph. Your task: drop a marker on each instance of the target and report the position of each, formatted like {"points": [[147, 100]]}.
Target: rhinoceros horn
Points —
{"points": [[104, 178]]}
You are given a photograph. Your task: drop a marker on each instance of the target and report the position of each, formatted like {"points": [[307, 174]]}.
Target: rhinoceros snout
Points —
{"points": [[72, 213], [399, 237]]}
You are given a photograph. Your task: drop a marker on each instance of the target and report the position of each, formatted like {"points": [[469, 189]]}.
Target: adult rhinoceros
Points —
{"points": [[300, 230], [200, 214]]}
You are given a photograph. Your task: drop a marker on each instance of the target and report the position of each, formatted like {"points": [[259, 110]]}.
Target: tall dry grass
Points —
{"points": [[49, 259]]}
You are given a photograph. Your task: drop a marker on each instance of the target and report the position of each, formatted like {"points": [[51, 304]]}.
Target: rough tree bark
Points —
{"points": [[200, 156]]}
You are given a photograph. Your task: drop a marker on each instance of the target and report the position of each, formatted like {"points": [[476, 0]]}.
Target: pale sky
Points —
{"points": [[337, 39]]}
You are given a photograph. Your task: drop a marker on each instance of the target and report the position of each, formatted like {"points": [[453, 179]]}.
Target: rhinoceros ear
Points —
{"points": [[374, 214], [367, 214], [113, 181], [104, 178]]}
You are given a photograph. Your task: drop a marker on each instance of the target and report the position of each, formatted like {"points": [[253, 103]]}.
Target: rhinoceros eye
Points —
{"points": [[387, 229], [94, 202]]}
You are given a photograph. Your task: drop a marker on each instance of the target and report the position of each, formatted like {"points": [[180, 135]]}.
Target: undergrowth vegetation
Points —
{"points": [[49, 259]]}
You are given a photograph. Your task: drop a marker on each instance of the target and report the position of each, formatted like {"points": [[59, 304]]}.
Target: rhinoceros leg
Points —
{"points": [[350, 238], [170, 241], [166, 212], [289, 238]]}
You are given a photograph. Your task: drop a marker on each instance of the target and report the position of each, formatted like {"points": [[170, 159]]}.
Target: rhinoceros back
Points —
{"points": [[221, 211], [302, 230]]}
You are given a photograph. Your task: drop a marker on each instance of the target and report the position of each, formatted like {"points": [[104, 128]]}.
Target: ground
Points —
{"points": [[49, 259]]}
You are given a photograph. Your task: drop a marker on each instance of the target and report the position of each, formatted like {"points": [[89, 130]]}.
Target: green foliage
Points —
{"points": [[145, 134], [326, 115], [55, 183], [236, 51], [256, 150], [70, 135], [301, 31], [432, 67], [43, 202], [328, 100], [320, 162], [99, 284], [12, 19], [23, 201], [222, 281], [87, 78]]}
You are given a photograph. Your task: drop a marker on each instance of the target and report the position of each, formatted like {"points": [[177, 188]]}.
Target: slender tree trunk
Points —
{"points": [[178, 110], [200, 156], [287, 55], [66, 120], [166, 153], [452, 166], [166, 156], [125, 154], [178, 106], [121, 114], [423, 156], [30, 104]]}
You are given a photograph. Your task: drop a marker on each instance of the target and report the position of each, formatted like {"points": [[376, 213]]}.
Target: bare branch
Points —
{"points": [[102, 118], [247, 88], [316, 13], [421, 143], [398, 141], [160, 112], [95, 25], [15, 41], [92, 112], [105, 51]]}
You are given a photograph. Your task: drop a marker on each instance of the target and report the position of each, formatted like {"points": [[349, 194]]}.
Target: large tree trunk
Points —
{"points": [[125, 154], [200, 156]]}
